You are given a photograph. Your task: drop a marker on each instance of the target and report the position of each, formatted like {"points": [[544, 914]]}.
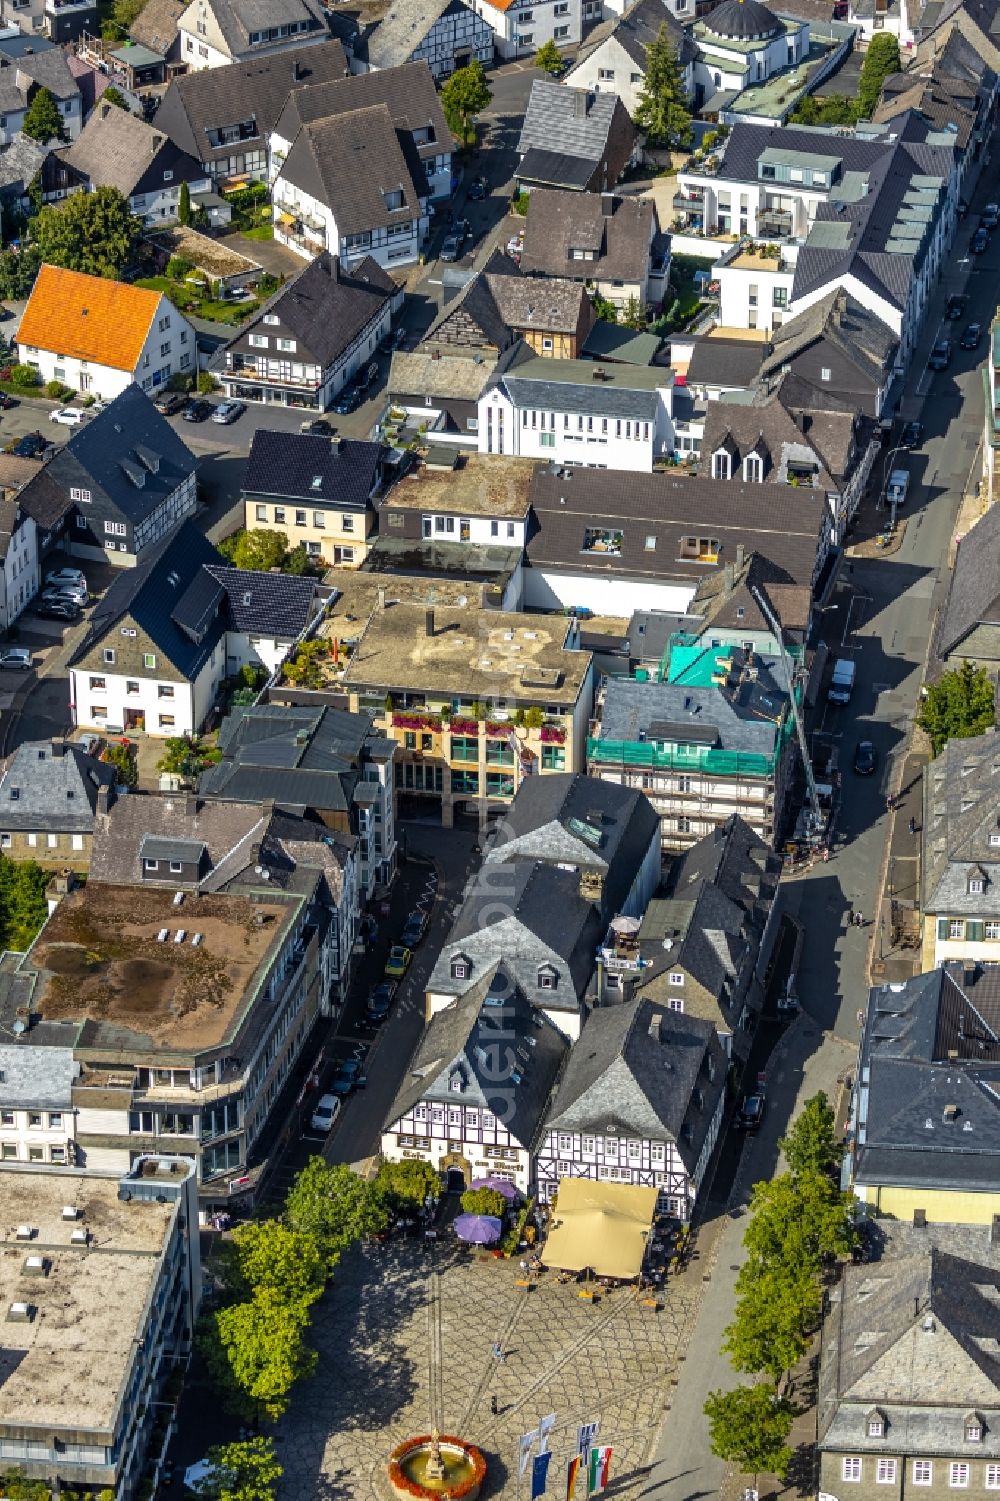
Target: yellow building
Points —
{"points": [[319, 491]]}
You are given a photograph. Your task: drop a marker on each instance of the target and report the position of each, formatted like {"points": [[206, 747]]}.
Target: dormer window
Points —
{"points": [[875, 1423], [393, 199], [548, 978], [461, 967], [456, 1083], [753, 469], [973, 1428], [975, 883], [722, 464]]}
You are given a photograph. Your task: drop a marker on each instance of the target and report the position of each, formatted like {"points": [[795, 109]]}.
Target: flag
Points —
{"points": [[572, 1470], [597, 1470], [525, 1444], [585, 1435], [545, 1427], [539, 1475]]}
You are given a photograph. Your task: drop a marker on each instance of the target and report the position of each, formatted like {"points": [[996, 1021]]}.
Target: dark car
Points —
{"points": [[990, 216], [348, 401], [477, 190], [31, 446], [971, 337], [197, 411], [751, 1113], [347, 1078], [380, 1001], [865, 758], [170, 402], [912, 436], [956, 307], [57, 609], [368, 376], [318, 426], [6, 401], [980, 242], [414, 928], [940, 355], [463, 229]]}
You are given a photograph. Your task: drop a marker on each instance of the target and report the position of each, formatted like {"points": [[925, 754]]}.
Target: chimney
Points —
{"points": [[580, 104], [607, 205], [429, 621], [729, 574], [191, 805], [654, 1027], [103, 799], [741, 554], [920, 1219], [995, 1231], [381, 596], [296, 72], [58, 747]]}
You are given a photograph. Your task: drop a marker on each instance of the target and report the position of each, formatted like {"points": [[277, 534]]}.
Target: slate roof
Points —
{"points": [[21, 160], [288, 465], [349, 162], [724, 362], [209, 99], [765, 427], [44, 500], [37, 1077], [156, 25], [575, 123], [961, 815], [842, 323], [745, 716], [128, 441], [301, 758], [236, 19], [570, 386], [56, 790], [220, 827], [401, 30], [639, 25], [116, 150], [323, 308], [408, 91], [559, 222], [269, 604], [974, 591], [461, 1042], [455, 376], [46, 67], [721, 601], [645, 1070]]}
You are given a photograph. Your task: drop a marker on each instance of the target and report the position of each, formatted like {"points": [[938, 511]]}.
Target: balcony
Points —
{"points": [[777, 221], [693, 201], [238, 367]]}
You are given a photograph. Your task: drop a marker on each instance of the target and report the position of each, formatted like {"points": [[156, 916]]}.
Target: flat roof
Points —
{"points": [[592, 373], [99, 961], [748, 261], [480, 485], [66, 1367], [471, 651], [358, 594]]}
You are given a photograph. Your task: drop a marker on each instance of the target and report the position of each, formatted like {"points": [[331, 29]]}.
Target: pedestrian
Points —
{"points": [[861, 920], [890, 802], [913, 825], [494, 1405], [498, 1353]]}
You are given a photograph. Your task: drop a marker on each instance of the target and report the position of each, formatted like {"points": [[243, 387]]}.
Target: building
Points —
{"points": [[48, 798], [346, 187], [477, 700], [459, 1107], [640, 1101], [969, 628], [125, 480], [100, 336], [217, 33], [156, 29], [576, 854], [409, 94], [320, 493], [839, 346], [554, 317], [116, 149], [923, 1137], [959, 896], [321, 763], [991, 415], [167, 632], [518, 29], [48, 19], [19, 574], [223, 117], [481, 501], [609, 244], [717, 738], [71, 1236], [741, 43], [573, 139], [615, 58], [578, 412], [909, 1386], [28, 63], [446, 34], [317, 331]]}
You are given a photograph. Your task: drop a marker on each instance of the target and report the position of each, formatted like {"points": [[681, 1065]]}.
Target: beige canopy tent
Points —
{"points": [[603, 1226]]}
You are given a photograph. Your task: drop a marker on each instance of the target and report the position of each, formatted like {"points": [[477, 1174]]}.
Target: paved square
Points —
{"points": [[405, 1339]]}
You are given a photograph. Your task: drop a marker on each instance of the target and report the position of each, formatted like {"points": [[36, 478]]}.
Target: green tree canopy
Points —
{"points": [[548, 57], [334, 1206], [464, 96], [267, 1254], [184, 204], [812, 1144], [749, 1427], [114, 96], [42, 120], [881, 59], [633, 315], [260, 550], [775, 1315], [18, 269], [484, 1201], [185, 756], [958, 705], [662, 112], [257, 1350], [92, 232], [797, 1222], [244, 1471], [406, 1184], [833, 110], [23, 907]]}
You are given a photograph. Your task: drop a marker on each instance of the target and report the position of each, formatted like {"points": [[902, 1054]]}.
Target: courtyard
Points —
{"points": [[405, 1339]]}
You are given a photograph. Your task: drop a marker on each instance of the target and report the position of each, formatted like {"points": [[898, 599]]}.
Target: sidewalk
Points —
{"points": [[895, 942]]}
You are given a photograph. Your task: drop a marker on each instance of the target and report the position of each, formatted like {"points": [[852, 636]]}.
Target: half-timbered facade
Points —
{"points": [[474, 1099], [446, 34], [641, 1102]]}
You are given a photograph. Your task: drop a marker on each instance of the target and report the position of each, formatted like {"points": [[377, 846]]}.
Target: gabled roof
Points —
{"points": [[116, 149], [408, 91], [307, 466], [323, 308], [455, 1060], [238, 19], [787, 438], [156, 24], [620, 230], [266, 604], [350, 163], [961, 817], [636, 28], [88, 318], [401, 30], [52, 785], [301, 758], [840, 321], [575, 122], [974, 591], [744, 714]]}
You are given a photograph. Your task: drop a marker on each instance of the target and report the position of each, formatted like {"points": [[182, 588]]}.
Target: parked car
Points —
{"points": [[990, 216], [348, 1077], [197, 411], [399, 338], [58, 609], [940, 355], [751, 1113], [60, 576], [76, 597], [6, 401], [16, 659], [956, 307], [318, 426], [326, 1112], [979, 243], [30, 446], [477, 190], [379, 1001], [912, 436], [69, 416], [228, 411], [971, 337], [452, 248], [865, 758], [515, 245], [414, 928], [169, 402], [463, 229], [398, 961], [348, 401]]}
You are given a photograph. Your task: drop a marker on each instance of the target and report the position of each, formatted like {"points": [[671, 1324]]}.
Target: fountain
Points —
{"points": [[436, 1464]]}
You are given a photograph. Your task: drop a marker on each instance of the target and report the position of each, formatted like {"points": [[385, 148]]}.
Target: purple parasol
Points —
{"points": [[478, 1229], [498, 1185]]}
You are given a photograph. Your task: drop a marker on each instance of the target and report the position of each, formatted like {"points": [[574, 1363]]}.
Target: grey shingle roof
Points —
{"points": [[350, 162], [56, 790], [974, 591], [323, 308], [626, 346], [20, 161], [290, 464], [403, 27], [766, 427], [118, 150], [298, 757], [37, 1077], [221, 827], [556, 169], [960, 818], [238, 18], [408, 91], [559, 222], [47, 67], [461, 377], [729, 362], [156, 25], [743, 718], [640, 24], [843, 323], [570, 121]]}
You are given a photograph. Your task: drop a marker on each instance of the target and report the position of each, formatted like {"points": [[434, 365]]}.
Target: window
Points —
{"points": [[115, 528], [973, 1430], [109, 656], [149, 660], [976, 885], [83, 495], [55, 1120], [993, 1477], [876, 1426], [6, 1118], [606, 75], [166, 721], [347, 523], [956, 928], [923, 1472], [279, 514], [753, 469], [850, 1467], [261, 512], [958, 1475], [300, 518], [722, 465], [676, 978], [286, 345], [259, 341]]}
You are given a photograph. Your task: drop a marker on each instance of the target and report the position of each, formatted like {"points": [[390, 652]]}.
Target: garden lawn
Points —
{"points": [[188, 301]]}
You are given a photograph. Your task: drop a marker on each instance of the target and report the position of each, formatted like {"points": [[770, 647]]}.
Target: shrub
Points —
{"points": [[55, 389], [178, 267], [207, 382], [25, 376]]}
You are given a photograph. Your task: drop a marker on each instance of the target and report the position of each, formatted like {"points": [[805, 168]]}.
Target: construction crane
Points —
{"points": [[817, 820]]}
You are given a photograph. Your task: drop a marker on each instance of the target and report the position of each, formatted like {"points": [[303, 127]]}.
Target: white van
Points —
{"points": [[326, 1112], [842, 682]]}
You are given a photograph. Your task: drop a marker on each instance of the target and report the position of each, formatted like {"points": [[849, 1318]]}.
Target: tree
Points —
{"points": [[244, 1471], [484, 1201], [603, 308], [834, 110], [23, 907], [464, 96], [92, 232], [260, 550], [121, 758], [268, 1254], [18, 270], [407, 1184], [775, 1315], [662, 108], [184, 204], [958, 705], [297, 562], [127, 12], [305, 669], [185, 756], [42, 120], [881, 59], [333, 1205], [749, 1426], [633, 314], [115, 96], [797, 1222], [257, 1350], [549, 58], [811, 1145], [16, 1486]]}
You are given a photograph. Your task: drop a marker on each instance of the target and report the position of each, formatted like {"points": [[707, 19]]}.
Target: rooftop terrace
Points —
{"points": [[479, 486]]}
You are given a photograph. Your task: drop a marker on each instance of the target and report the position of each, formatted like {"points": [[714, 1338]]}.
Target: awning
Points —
{"points": [[603, 1226]]}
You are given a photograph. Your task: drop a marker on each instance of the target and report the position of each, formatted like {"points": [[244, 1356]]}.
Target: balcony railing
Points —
{"points": [[693, 201], [776, 221]]}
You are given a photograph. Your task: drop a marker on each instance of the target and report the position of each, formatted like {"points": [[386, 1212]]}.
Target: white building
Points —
{"points": [[579, 412], [98, 336], [19, 546], [216, 33], [617, 64], [755, 290], [741, 43], [446, 34], [520, 27]]}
